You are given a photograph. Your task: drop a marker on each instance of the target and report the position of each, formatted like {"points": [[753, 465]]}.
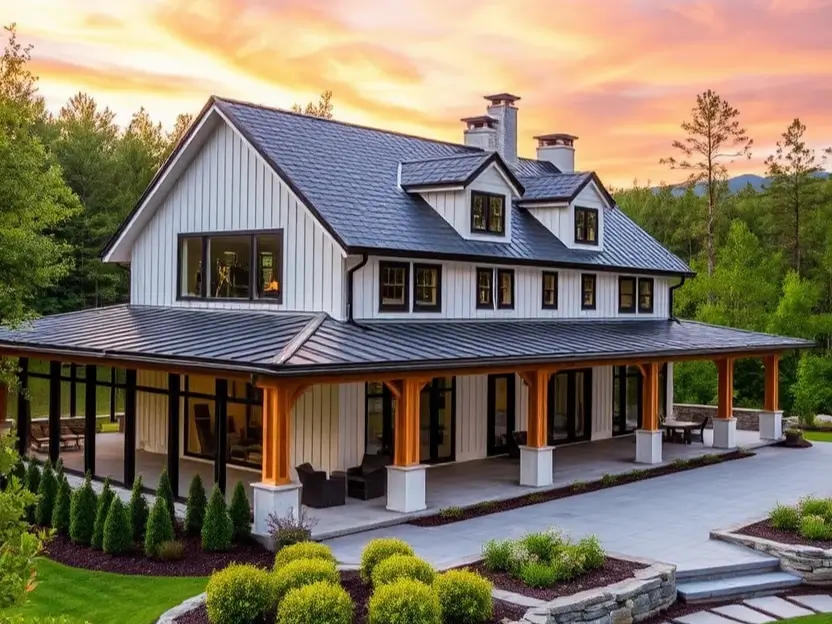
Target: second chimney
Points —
{"points": [[501, 107], [558, 149]]}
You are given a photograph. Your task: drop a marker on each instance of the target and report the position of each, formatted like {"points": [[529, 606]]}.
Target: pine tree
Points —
{"points": [[240, 513], [138, 510], [104, 502], [195, 508], [159, 528], [164, 491], [61, 510], [118, 535], [217, 529], [82, 513], [47, 491]]}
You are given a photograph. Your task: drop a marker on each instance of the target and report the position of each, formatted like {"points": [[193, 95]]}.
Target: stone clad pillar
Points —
{"points": [[406, 483], [725, 425], [771, 418], [536, 457], [649, 437]]}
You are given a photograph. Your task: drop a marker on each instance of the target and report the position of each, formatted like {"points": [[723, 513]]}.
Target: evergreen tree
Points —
{"points": [[104, 502], [138, 510], [159, 528], [33, 484], [195, 508], [82, 513], [47, 491], [217, 530], [240, 513], [118, 535], [61, 510], [164, 491]]}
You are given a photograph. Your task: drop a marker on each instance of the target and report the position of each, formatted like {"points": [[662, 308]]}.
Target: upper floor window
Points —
{"points": [[588, 284], [586, 226], [394, 285], [550, 290], [505, 288], [626, 294], [485, 288], [488, 213], [231, 266], [645, 294], [427, 287]]}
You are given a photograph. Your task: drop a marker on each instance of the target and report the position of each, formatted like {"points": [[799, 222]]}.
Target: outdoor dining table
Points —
{"points": [[684, 427]]}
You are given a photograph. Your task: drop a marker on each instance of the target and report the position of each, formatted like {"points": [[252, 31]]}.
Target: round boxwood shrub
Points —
{"points": [[301, 573], [405, 600], [103, 509], [118, 536], [217, 529], [240, 513], [138, 510], [465, 597], [378, 550], [195, 507], [47, 491], [60, 512], [403, 566], [239, 594], [82, 511], [159, 528], [318, 603], [303, 550]]}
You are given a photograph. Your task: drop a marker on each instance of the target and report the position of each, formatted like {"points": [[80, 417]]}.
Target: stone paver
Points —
{"points": [[777, 606], [703, 617], [744, 614], [821, 603]]}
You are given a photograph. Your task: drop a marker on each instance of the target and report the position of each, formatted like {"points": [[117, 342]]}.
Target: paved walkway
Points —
{"points": [[668, 518], [761, 610]]}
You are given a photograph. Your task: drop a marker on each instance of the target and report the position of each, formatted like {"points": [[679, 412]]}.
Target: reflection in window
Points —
{"points": [[485, 288], [268, 267], [427, 296], [586, 226], [190, 267], [626, 294], [394, 286], [645, 294], [505, 286], [550, 290], [588, 291], [488, 213], [230, 260]]}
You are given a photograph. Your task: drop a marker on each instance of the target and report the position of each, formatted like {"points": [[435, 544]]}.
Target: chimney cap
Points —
{"points": [[479, 121], [556, 138], [502, 98]]}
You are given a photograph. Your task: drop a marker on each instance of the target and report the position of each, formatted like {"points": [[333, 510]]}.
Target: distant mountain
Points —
{"points": [[740, 182]]}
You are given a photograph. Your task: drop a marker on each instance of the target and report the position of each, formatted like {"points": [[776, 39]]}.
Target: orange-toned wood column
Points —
{"points": [[278, 401], [725, 426], [649, 437], [406, 432], [771, 418], [536, 457]]}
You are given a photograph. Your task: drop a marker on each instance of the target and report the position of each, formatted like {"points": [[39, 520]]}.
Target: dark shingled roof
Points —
{"points": [[297, 343], [559, 186], [446, 170]]}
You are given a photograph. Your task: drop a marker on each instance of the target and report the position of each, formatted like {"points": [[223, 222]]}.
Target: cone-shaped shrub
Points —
{"points": [[159, 528], [104, 501], [164, 491], [82, 513], [240, 513], [59, 469], [32, 483], [195, 509], [217, 529], [118, 536], [47, 491], [60, 512], [138, 510]]}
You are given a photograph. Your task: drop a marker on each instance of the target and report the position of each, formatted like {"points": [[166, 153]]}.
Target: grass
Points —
{"points": [[818, 436], [103, 598], [821, 618]]}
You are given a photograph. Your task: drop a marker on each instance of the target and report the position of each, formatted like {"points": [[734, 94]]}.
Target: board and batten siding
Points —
{"points": [[227, 188], [459, 294]]}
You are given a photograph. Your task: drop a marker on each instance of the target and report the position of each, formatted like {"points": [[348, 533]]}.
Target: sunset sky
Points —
{"points": [[620, 74]]}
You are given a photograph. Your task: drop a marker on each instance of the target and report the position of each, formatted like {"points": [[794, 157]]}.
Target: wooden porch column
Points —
{"points": [[772, 392], [536, 457], [650, 396], [406, 442], [90, 417], [23, 410], [54, 410], [277, 414], [725, 425]]}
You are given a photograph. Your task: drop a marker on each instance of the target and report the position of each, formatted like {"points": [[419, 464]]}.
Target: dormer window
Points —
{"points": [[586, 226], [488, 213]]}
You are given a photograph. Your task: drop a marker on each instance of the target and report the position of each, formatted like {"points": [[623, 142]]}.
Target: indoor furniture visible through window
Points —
{"points": [[488, 213], [427, 287], [550, 290], [394, 285], [645, 294], [505, 289], [626, 294], [586, 226], [588, 282], [485, 289]]}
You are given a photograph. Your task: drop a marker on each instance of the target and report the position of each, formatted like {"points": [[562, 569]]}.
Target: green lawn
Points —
{"points": [[102, 598], [818, 436], [823, 618]]}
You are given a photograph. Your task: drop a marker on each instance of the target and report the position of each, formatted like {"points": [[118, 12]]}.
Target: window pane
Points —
{"points": [[495, 214], [201, 427], [591, 226], [375, 423], [478, 212], [506, 288], [426, 286], [230, 259], [190, 267], [269, 260], [588, 291], [392, 285], [645, 294]]}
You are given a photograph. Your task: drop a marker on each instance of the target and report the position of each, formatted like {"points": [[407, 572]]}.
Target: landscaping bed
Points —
{"points": [[457, 514], [765, 530]]}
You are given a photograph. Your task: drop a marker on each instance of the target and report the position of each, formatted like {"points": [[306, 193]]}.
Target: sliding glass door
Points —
{"points": [[570, 406], [500, 413]]}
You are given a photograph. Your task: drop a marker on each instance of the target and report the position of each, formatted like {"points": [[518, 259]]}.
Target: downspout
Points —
{"points": [[350, 288], [670, 299]]}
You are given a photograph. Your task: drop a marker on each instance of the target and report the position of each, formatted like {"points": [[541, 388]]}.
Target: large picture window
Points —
{"points": [[394, 286], [488, 213], [586, 226]]}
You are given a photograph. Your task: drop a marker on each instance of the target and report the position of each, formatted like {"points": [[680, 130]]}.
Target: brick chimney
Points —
{"points": [[481, 132], [501, 107], [558, 149]]}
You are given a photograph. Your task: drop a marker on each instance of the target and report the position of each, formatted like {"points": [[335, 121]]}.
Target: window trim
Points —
{"points": [[622, 309], [426, 307], [587, 210], [490, 304], [394, 307], [594, 304], [500, 304], [487, 229], [646, 280], [549, 306]]}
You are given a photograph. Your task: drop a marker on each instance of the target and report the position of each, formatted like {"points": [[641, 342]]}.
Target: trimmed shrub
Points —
{"points": [[238, 594], [195, 507], [405, 600], [47, 491], [544, 545], [159, 528], [814, 527], [465, 597], [403, 566], [103, 509], [240, 513], [592, 553], [496, 555], [138, 510], [118, 535], [61, 510], [164, 491], [784, 518], [303, 550], [82, 511], [303, 572], [32, 484], [217, 529], [568, 564], [813, 506], [173, 550], [538, 574], [318, 603], [378, 550]]}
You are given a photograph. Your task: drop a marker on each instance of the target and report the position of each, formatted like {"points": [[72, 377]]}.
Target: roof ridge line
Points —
{"points": [[294, 345]]}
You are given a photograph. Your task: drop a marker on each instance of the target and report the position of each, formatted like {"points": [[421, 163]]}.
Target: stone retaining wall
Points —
{"points": [[650, 591], [747, 419]]}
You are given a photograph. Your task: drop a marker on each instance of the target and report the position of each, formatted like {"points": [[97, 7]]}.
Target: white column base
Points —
{"points": [[771, 425], [280, 500], [725, 433], [648, 447], [536, 465], [406, 488]]}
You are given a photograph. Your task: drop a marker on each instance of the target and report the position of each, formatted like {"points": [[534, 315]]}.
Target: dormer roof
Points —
{"points": [[458, 170], [560, 187]]}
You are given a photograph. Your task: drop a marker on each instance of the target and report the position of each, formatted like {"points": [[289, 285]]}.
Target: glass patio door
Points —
{"points": [[500, 413], [437, 421], [570, 406]]}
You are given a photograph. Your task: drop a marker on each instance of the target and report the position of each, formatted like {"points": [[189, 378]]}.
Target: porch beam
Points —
{"points": [[130, 427], [23, 408], [771, 402], [90, 417], [54, 410], [173, 431]]}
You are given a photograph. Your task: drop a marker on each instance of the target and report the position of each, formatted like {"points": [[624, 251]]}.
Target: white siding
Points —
{"points": [[471, 417], [351, 424], [228, 187], [315, 428], [152, 412], [459, 295], [602, 402]]}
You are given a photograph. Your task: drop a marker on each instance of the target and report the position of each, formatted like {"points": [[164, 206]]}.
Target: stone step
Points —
{"points": [[759, 566], [736, 587]]}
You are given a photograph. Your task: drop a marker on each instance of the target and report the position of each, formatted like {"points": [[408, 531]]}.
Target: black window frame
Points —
{"points": [[631, 309], [587, 211], [252, 235], [490, 273], [549, 306], [427, 307], [488, 229], [594, 304], [652, 283], [500, 304], [394, 307]]}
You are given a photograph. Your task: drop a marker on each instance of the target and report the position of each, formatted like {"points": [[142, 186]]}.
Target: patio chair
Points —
{"points": [[369, 480], [318, 491], [701, 435], [68, 438], [77, 427], [38, 437], [517, 439]]}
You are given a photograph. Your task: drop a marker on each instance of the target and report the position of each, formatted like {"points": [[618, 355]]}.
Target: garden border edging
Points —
{"points": [[169, 616]]}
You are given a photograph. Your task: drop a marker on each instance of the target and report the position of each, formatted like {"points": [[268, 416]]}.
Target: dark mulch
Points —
{"points": [[195, 561], [614, 570], [800, 444], [766, 531], [486, 508]]}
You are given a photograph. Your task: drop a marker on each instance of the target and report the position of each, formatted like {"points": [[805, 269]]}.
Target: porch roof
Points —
{"points": [[304, 344]]}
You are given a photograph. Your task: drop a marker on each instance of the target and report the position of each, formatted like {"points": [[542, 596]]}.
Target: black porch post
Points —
{"points": [[220, 409], [113, 394], [73, 390], [54, 410], [173, 432], [130, 427], [23, 406], [90, 417]]}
